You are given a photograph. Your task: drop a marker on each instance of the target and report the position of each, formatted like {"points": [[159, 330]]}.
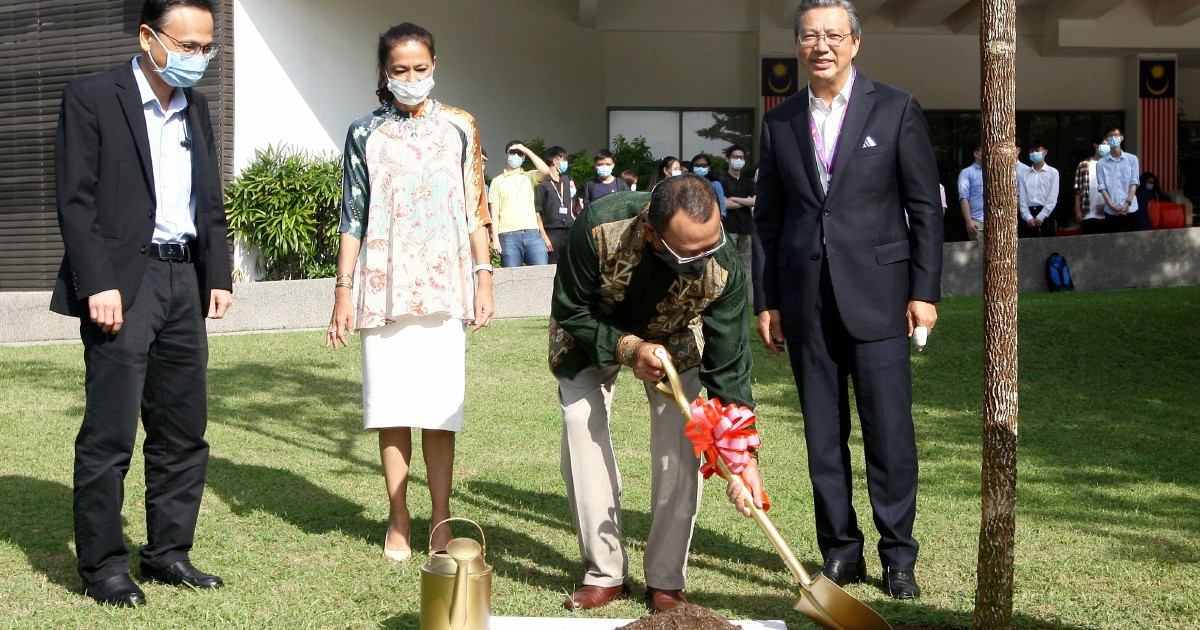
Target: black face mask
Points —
{"points": [[691, 270]]}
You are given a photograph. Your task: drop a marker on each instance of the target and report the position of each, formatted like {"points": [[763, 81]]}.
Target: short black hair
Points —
{"points": [[687, 193], [1098, 139], [732, 148], [976, 146], [154, 12], [555, 152], [604, 154], [511, 144], [1037, 143], [1112, 128]]}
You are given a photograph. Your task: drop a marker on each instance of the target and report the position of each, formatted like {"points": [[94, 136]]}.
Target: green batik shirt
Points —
{"points": [[611, 292]]}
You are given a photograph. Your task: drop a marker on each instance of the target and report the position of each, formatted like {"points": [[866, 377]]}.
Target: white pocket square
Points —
{"points": [[868, 143]]}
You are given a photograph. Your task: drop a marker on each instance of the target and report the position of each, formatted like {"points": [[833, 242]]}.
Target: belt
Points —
{"points": [[181, 252]]}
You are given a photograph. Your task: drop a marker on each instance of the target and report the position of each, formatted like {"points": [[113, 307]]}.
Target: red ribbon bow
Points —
{"points": [[717, 431]]}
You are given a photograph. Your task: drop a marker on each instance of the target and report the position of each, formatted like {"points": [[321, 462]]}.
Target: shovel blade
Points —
{"points": [[827, 604]]}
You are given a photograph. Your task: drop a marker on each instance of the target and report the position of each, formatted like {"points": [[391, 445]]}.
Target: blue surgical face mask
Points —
{"points": [[563, 166], [737, 164], [604, 171], [1149, 185], [1115, 141], [1103, 149], [515, 161], [676, 173], [702, 171], [182, 70], [1036, 157]]}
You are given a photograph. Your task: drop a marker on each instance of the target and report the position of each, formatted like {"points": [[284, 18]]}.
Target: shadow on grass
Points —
{"points": [[247, 488], [1103, 414], [545, 567], [236, 399], [407, 621], [36, 516]]}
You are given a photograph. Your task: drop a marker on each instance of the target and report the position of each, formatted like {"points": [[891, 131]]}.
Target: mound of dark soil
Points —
{"points": [[682, 617]]}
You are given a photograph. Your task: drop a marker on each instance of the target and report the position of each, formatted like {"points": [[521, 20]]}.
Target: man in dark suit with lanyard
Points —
{"points": [[850, 224], [143, 225]]}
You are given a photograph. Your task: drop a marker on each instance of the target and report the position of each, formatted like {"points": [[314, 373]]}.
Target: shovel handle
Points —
{"points": [[675, 391]]}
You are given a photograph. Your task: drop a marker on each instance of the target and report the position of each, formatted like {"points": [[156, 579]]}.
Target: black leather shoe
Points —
{"points": [[901, 584], [841, 572], [118, 590], [181, 573]]}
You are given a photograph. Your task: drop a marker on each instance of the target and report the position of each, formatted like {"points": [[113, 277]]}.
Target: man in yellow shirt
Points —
{"points": [[518, 235]]}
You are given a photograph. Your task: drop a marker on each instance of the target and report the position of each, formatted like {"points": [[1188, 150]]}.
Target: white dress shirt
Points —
{"points": [[175, 214], [828, 119], [1038, 187]]}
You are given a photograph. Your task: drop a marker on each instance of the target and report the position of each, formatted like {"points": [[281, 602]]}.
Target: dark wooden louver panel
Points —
{"points": [[43, 45]]}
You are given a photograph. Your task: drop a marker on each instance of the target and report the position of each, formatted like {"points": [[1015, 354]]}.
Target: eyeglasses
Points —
{"points": [[683, 260], [833, 40], [189, 48]]}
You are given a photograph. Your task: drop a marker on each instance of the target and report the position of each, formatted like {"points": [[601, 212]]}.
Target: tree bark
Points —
{"points": [[994, 589]]}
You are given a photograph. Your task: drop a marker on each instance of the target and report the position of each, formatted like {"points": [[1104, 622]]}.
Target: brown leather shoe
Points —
{"points": [[589, 596], [663, 600]]}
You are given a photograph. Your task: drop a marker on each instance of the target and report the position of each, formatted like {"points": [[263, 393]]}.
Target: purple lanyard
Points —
{"points": [[827, 161]]}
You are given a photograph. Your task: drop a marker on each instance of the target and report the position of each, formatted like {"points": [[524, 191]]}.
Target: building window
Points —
{"points": [[683, 132]]}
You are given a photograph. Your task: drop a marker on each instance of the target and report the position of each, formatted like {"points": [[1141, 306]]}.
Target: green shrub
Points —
{"points": [[288, 204]]}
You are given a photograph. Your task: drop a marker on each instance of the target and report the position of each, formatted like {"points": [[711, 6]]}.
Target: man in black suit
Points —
{"points": [[143, 225], [846, 279]]}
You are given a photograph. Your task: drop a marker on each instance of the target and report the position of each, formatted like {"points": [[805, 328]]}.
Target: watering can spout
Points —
{"points": [[458, 600]]}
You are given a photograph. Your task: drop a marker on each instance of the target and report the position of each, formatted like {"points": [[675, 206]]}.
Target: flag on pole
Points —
{"points": [[1157, 118], [779, 80]]}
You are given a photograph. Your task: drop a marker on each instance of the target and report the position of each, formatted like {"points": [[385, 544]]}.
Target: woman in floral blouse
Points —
{"points": [[413, 226]]}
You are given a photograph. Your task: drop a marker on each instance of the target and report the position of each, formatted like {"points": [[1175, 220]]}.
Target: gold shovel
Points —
{"points": [[820, 599]]}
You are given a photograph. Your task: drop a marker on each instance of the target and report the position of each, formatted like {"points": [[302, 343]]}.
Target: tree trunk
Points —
{"points": [[994, 590]]}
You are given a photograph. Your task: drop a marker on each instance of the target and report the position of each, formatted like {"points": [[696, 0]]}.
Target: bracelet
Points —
{"points": [[485, 267], [348, 285], [344, 275]]}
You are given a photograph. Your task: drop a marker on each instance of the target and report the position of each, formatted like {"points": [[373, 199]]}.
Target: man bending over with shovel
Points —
{"points": [[643, 271]]}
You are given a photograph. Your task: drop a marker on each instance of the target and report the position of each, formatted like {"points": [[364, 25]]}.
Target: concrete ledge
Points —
{"points": [[1103, 261], [1161, 258]]}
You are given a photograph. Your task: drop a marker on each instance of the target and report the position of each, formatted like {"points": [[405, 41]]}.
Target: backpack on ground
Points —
{"points": [[1058, 275]]}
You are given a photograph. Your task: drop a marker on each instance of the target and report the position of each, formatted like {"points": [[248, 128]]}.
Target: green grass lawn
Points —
{"points": [[294, 515]]}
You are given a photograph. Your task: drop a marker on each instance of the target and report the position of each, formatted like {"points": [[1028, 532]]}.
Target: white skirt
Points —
{"points": [[414, 373]]}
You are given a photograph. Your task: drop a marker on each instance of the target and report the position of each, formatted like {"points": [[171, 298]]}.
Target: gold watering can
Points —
{"points": [[456, 584]]}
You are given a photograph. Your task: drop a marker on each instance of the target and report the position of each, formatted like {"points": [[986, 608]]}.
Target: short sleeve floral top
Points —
{"points": [[412, 192]]}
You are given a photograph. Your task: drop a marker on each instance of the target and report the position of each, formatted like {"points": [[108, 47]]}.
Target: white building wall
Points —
{"points": [[529, 68]]}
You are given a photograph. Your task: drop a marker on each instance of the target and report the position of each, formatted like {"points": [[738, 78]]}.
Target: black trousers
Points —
{"points": [[157, 364], [824, 359], [558, 238], [1048, 227], [1114, 223]]}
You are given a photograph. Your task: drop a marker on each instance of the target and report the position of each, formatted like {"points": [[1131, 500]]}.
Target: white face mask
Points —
{"points": [[676, 173], [411, 94], [737, 164]]}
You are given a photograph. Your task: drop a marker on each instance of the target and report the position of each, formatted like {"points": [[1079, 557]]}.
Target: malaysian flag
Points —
{"points": [[1157, 118], [779, 80]]}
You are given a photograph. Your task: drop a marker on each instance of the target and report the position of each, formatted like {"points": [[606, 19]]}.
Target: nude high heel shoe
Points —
{"points": [[395, 555]]}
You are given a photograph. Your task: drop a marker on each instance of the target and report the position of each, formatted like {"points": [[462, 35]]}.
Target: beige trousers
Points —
{"points": [[589, 468]]}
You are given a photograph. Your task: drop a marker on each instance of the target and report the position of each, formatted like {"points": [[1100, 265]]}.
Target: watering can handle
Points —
{"points": [[459, 518], [675, 391]]}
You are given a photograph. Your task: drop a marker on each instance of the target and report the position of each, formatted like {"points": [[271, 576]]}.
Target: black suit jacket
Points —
{"points": [[877, 261], [105, 192]]}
